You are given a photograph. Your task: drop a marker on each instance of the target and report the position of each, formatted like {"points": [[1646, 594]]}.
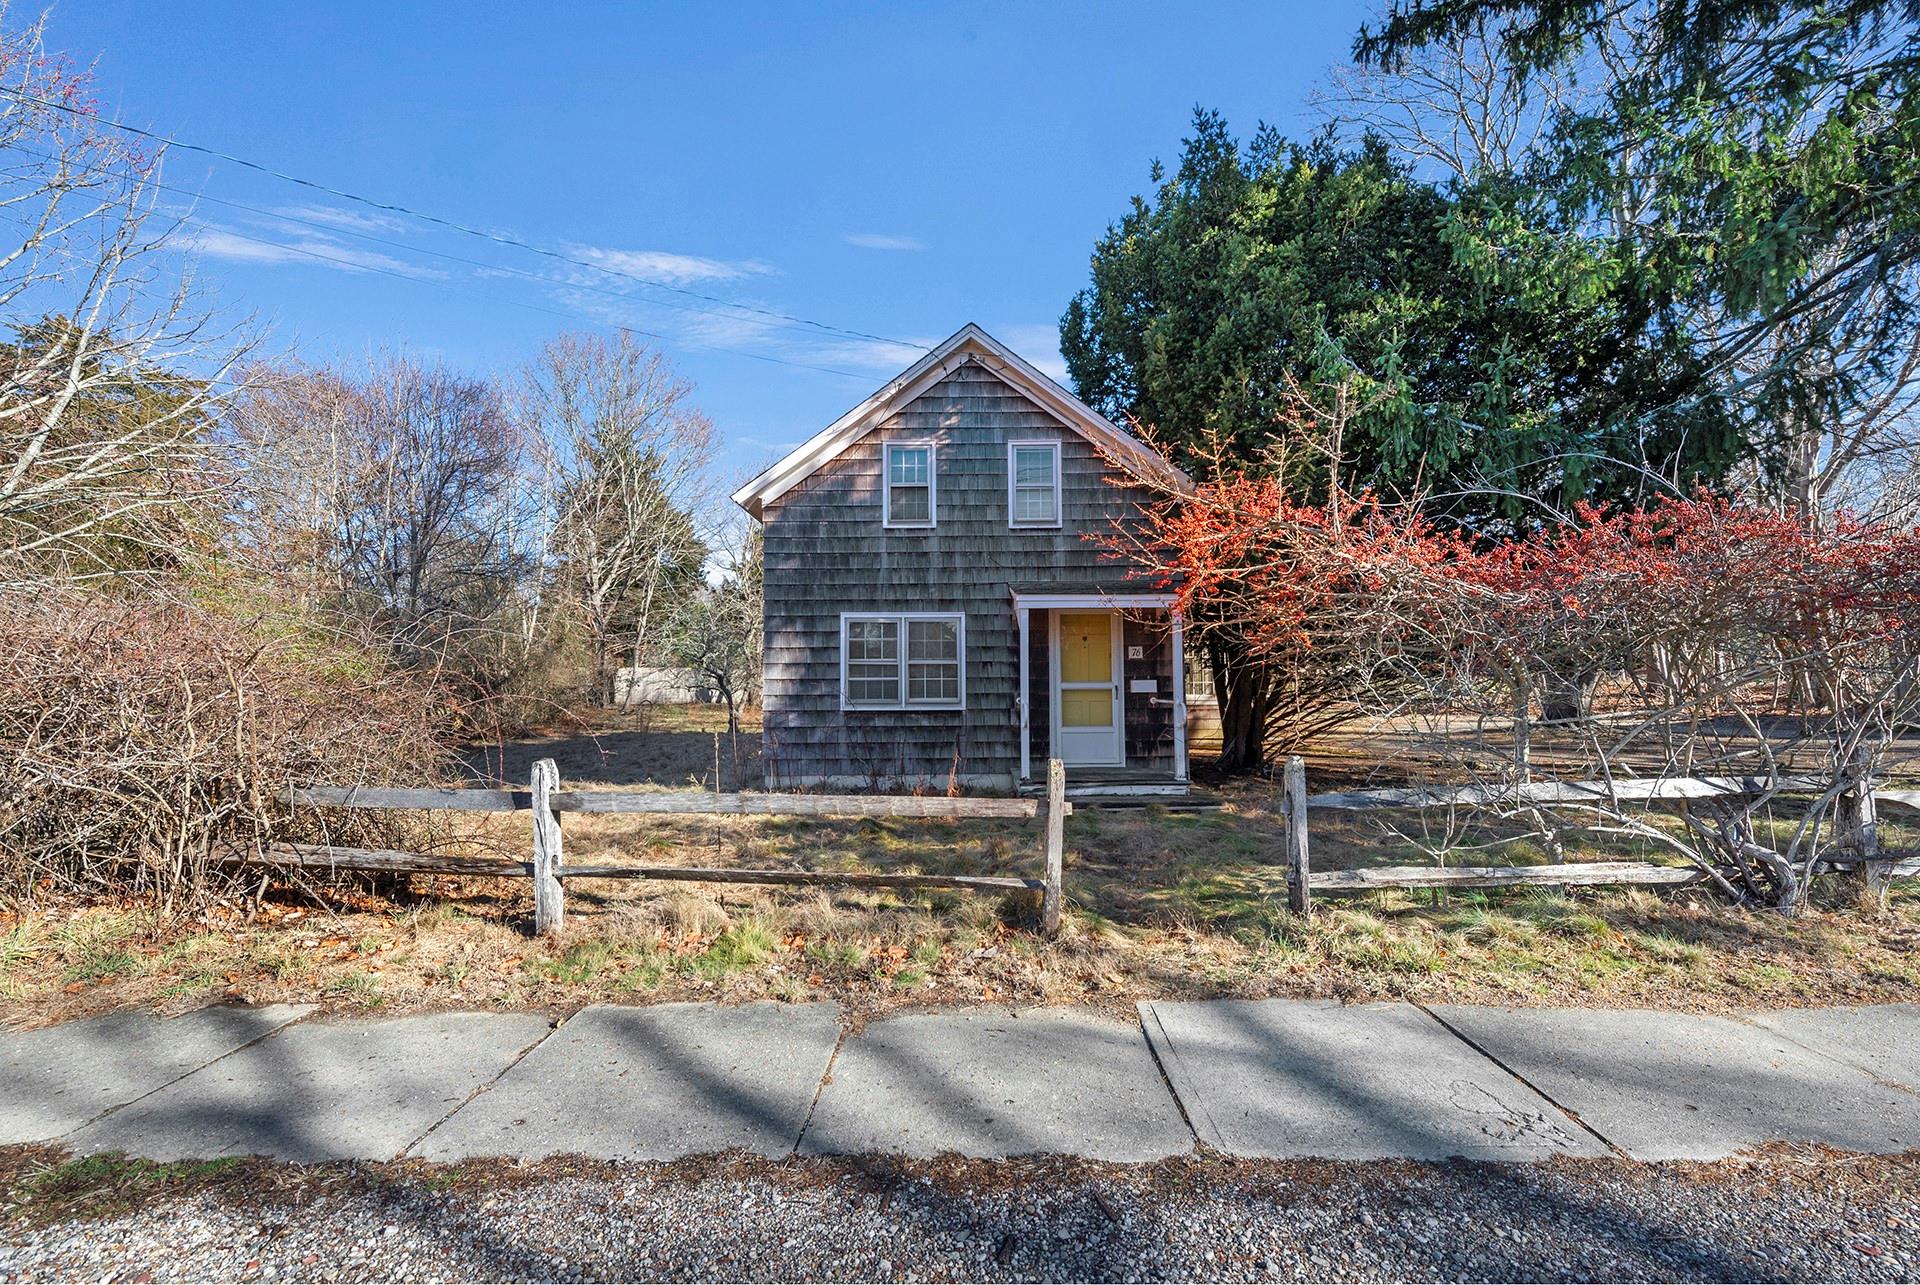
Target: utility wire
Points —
{"points": [[498, 238], [330, 229], [507, 269], [360, 266]]}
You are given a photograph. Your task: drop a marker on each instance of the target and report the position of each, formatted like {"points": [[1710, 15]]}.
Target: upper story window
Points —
{"points": [[1033, 484], [908, 497], [909, 660]]}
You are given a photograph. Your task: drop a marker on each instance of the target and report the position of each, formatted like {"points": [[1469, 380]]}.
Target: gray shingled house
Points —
{"points": [[935, 609]]}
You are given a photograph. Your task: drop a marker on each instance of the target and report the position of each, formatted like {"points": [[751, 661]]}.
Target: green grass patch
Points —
{"points": [[101, 965], [108, 1184], [578, 964], [743, 946], [94, 947], [20, 945], [835, 954], [354, 984], [645, 975]]}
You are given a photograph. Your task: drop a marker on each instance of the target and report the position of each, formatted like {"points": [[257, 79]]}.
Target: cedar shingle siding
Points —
{"points": [[827, 553]]}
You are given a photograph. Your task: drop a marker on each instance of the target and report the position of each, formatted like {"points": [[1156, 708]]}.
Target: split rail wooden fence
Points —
{"points": [[1303, 882], [547, 803]]}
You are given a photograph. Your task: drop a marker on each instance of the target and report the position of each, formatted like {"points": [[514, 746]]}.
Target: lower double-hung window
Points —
{"points": [[903, 660]]}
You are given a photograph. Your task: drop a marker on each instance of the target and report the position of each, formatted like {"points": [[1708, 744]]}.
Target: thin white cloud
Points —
{"points": [[348, 220], [731, 329], [765, 335], [867, 354], [743, 331], [774, 446], [1039, 344], [881, 241], [214, 242], [663, 265]]}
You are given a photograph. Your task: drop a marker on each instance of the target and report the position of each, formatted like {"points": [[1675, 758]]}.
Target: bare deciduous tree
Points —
{"points": [[296, 461], [1854, 451], [632, 460], [717, 633], [1454, 107], [411, 496], [101, 424]]}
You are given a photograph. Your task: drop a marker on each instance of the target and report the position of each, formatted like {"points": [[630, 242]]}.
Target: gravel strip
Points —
{"points": [[1790, 1215]]}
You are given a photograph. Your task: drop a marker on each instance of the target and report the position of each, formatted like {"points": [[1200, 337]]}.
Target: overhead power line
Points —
{"points": [[498, 238], [358, 265], [382, 270]]}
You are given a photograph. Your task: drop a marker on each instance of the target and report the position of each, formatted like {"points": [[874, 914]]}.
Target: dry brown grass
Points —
{"points": [[661, 746], [1160, 905]]}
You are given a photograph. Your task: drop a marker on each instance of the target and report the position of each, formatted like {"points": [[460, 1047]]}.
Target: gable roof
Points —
{"points": [[969, 344]]}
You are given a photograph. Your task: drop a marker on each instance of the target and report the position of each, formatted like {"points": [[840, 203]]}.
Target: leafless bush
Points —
{"points": [[143, 743]]}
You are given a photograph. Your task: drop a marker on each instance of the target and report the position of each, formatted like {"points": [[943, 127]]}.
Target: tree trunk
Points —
{"points": [[1245, 692], [1566, 698], [646, 611], [602, 672], [733, 732], [1522, 727]]}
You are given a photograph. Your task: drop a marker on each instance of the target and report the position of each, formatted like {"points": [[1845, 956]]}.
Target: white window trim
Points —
{"points": [[886, 485], [904, 618], [1059, 498]]}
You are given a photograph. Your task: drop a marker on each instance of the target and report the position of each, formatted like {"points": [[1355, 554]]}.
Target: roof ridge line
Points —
{"points": [[803, 461]]}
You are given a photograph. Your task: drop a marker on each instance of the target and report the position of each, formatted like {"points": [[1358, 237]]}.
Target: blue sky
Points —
{"points": [[891, 170]]}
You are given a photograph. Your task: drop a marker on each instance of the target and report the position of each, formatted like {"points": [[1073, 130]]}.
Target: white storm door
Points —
{"points": [[1088, 727]]}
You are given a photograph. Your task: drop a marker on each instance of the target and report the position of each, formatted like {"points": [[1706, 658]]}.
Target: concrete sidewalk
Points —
{"points": [[1271, 1078]]}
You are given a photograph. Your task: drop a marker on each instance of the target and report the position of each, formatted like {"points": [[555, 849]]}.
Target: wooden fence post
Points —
{"points": [[1299, 891], [1056, 829], [549, 901]]}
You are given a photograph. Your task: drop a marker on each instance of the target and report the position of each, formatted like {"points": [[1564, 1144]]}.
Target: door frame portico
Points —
{"points": [[1116, 680], [1026, 602]]}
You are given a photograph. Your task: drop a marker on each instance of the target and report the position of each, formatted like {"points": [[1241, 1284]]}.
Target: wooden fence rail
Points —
{"points": [[1302, 882], [678, 802], [546, 801]]}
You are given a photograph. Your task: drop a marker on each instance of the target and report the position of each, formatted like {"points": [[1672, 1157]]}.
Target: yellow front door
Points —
{"points": [[1086, 669]]}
